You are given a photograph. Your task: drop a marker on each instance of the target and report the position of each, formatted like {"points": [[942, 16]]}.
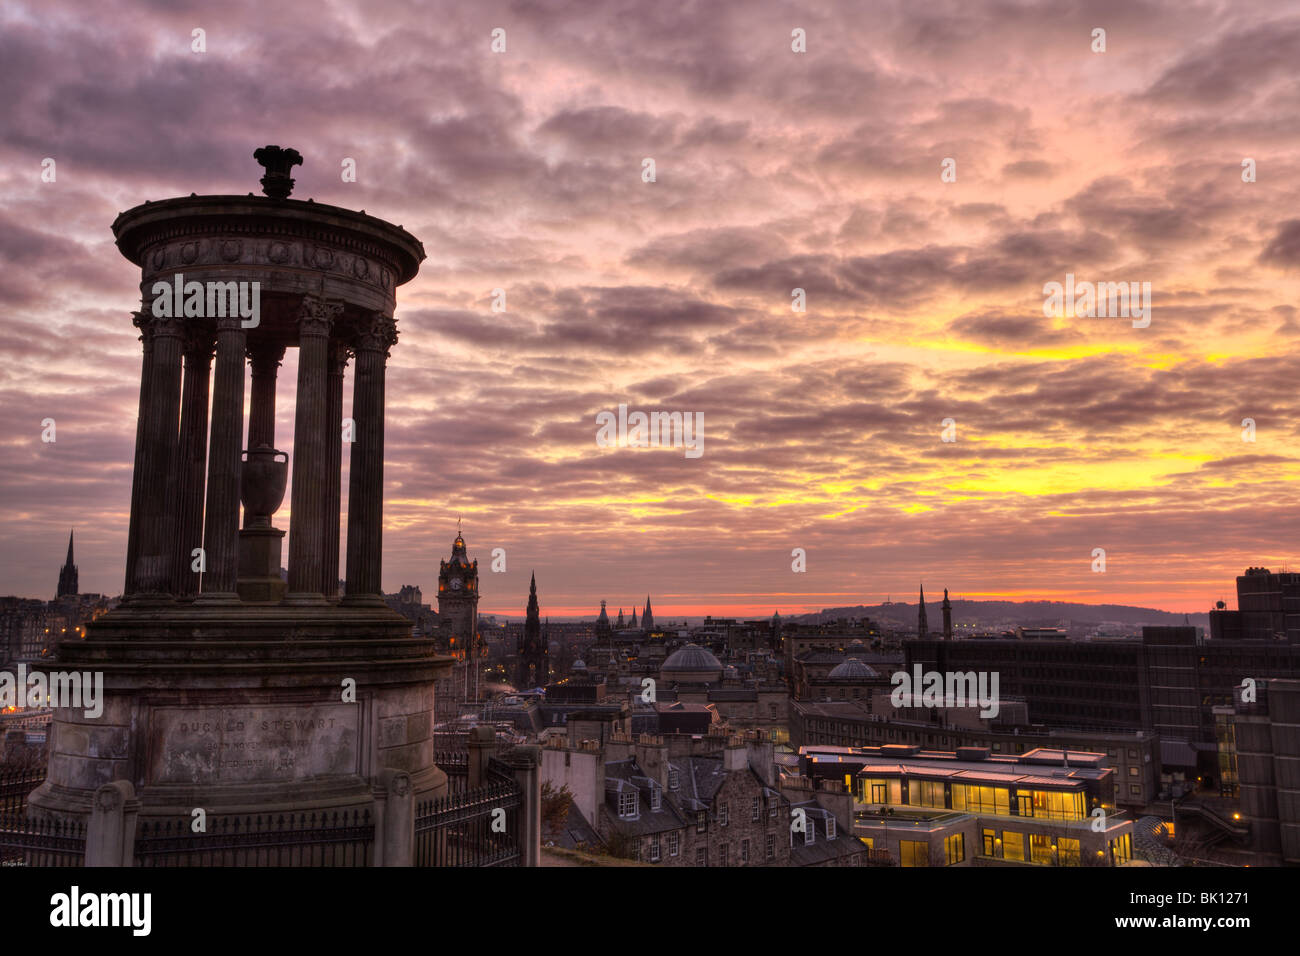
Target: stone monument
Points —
{"points": [[225, 688]]}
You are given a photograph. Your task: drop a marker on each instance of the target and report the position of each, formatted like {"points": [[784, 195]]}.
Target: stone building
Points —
{"points": [[676, 800]]}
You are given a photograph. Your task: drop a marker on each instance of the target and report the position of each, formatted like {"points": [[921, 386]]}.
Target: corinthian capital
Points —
{"points": [[377, 333], [317, 315]]}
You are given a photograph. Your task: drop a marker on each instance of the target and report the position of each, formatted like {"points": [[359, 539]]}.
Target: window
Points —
{"points": [[723, 853], [925, 793], [744, 851], [830, 828], [701, 822], [994, 800], [674, 779], [810, 832], [1135, 790], [1068, 851], [627, 804], [674, 843], [1013, 845], [1132, 754], [1041, 849], [656, 798], [754, 810], [914, 852], [771, 846], [954, 849], [724, 814], [879, 793], [772, 812], [1025, 804], [654, 848], [1132, 771], [989, 837], [701, 856]]}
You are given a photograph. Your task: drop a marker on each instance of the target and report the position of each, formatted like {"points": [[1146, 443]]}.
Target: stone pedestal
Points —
{"points": [[259, 565], [275, 709]]}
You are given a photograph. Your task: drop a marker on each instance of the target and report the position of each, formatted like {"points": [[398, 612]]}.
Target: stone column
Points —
{"points": [[157, 532], [265, 360], [366, 478], [141, 321], [193, 458], [221, 537], [307, 521], [339, 353]]}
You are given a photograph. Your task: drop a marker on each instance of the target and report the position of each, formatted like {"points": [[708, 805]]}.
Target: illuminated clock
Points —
{"points": [[456, 583]]}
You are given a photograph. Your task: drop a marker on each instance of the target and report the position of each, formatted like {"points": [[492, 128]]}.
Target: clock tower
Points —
{"points": [[458, 602]]}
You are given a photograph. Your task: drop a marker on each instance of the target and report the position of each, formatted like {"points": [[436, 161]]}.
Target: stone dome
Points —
{"points": [[692, 657], [852, 669]]}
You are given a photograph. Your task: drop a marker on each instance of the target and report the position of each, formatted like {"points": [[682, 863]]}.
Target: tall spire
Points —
{"points": [[922, 629], [947, 617], [68, 584], [647, 616]]}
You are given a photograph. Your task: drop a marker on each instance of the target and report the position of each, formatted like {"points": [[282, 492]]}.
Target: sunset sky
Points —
{"points": [[522, 170]]}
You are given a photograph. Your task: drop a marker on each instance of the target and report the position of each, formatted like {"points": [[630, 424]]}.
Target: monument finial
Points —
{"points": [[277, 183]]}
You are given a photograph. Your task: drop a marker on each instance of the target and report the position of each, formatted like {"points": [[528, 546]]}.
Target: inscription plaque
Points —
{"points": [[268, 743]]}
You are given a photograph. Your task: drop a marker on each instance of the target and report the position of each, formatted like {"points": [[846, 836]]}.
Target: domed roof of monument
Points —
{"points": [[853, 669], [692, 657]]}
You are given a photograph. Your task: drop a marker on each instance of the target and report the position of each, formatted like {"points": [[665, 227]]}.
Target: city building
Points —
{"points": [[969, 806]]}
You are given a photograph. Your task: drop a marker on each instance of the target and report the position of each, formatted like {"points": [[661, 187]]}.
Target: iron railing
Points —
{"points": [[341, 838], [25, 842], [470, 827]]}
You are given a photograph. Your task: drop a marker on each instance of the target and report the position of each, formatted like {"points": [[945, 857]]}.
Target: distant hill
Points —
{"points": [[1010, 613]]}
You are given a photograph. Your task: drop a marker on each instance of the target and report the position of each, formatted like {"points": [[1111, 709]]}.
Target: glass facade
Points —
{"points": [[996, 800], [914, 853], [1013, 845], [954, 849]]}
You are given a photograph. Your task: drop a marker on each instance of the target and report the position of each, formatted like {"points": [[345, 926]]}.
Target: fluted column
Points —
{"points": [[157, 507], [221, 528], [307, 520], [366, 477], [333, 467], [265, 361], [141, 321], [193, 457]]}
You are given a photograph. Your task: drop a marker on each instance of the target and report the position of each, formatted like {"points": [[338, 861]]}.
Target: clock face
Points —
{"points": [[455, 583]]}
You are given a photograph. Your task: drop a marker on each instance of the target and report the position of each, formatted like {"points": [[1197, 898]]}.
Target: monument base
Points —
{"points": [[259, 565], [239, 709]]}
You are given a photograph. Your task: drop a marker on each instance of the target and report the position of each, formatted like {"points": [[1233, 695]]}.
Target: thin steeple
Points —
{"points": [[922, 628]]}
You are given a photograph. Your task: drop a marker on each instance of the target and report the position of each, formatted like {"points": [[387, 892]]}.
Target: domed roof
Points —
{"points": [[852, 669], [579, 665], [692, 657]]}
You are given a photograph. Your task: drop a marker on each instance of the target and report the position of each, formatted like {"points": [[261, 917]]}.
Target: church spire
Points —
{"points": [[922, 628], [68, 584], [647, 616], [947, 617]]}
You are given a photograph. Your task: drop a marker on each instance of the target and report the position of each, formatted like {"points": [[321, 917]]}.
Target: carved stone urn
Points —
{"points": [[262, 481]]}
